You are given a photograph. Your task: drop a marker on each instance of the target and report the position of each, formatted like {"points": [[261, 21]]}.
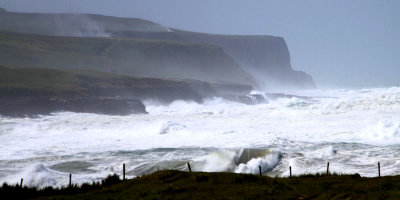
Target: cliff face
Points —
{"points": [[265, 57], [256, 60]]}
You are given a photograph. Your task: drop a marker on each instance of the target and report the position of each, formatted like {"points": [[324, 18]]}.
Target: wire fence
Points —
{"points": [[190, 170]]}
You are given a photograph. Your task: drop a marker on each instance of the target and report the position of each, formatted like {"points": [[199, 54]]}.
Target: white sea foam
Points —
{"points": [[239, 161], [266, 163], [35, 175], [218, 161], [354, 128]]}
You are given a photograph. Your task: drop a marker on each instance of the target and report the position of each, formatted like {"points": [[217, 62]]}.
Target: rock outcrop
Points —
{"points": [[28, 106]]}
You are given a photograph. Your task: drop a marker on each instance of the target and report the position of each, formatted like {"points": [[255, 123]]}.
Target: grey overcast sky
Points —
{"points": [[340, 43]]}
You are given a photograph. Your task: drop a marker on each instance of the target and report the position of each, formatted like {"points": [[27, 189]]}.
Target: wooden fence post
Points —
{"points": [[379, 169], [22, 180], [70, 181], [190, 169], [290, 169], [123, 171], [327, 169], [259, 168]]}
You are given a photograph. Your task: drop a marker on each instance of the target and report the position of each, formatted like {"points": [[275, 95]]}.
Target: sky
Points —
{"points": [[341, 43]]}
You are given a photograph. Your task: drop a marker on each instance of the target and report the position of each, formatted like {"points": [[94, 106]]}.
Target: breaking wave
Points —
{"points": [[239, 161]]}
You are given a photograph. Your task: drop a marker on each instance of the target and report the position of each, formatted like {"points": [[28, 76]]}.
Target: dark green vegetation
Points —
{"points": [[82, 82], [134, 57], [183, 185]]}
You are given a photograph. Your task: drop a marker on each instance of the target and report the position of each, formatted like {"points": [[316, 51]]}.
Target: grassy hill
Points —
{"points": [[134, 57], [38, 79], [184, 185]]}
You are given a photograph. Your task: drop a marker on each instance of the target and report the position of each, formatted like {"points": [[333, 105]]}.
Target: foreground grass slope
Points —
{"points": [[183, 185]]}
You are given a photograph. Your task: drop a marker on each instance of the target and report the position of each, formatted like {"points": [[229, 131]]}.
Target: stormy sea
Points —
{"points": [[353, 130]]}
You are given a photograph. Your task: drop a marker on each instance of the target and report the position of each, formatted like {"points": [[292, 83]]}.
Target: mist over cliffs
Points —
{"points": [[267, 58], [260, 61]]}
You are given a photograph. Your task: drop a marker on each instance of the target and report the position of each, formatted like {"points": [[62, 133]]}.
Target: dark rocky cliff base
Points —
{"points": [[35, 91], [250, 99], [31, 106]]}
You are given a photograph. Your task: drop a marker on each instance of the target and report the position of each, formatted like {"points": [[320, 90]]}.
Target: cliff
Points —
{"points": [[267, 58], [264, 60], [135, 57]]}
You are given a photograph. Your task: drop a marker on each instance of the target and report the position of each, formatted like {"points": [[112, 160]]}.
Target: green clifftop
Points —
{"points": [[135, 57]]}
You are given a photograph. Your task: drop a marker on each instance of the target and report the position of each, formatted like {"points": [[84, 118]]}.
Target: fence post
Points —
{"points": [[259, 168], [70, 181], [327, 169], [22, 180], [190, 169], [290, 169], [379, 169], [123, 171]]}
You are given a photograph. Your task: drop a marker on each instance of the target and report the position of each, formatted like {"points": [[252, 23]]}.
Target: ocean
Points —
{"points": [[353, 130]]}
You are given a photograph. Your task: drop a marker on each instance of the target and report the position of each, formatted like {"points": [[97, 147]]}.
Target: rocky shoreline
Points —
{"points": [[102, 93], [34, 106], [30, 103]]}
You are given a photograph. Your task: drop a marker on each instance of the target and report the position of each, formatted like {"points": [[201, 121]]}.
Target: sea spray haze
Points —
{"points": [[351, 129]]}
